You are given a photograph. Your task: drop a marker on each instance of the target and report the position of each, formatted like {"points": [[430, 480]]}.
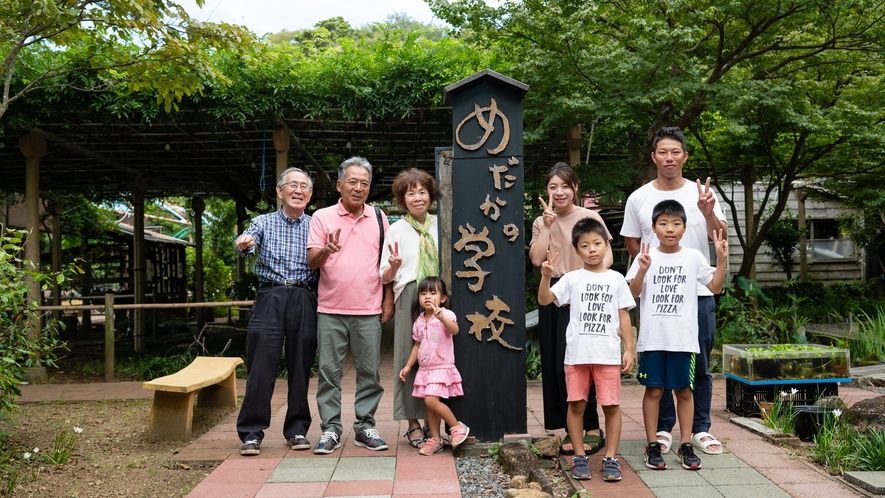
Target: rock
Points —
{"points": [[833, 402], [519, 482], [868, 413], [517, 459], [527, 493], [549, 447], [538, 477]]}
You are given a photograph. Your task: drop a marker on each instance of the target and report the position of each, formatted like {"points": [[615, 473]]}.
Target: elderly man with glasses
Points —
{"points": [[283, 316]]}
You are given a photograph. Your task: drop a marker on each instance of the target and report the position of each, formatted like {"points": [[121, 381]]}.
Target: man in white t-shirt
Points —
{"points": [[704, 215]]}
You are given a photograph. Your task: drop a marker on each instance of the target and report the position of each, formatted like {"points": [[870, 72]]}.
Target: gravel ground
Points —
{"points": [[481, 476]]}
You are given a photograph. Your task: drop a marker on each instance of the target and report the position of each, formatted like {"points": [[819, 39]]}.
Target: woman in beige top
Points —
{"points": [[552, 232]]}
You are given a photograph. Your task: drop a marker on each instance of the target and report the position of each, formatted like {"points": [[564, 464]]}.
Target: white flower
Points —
{"points": [[793, 391], [36, 450], [27, 455], [837, 412], [783, 394], [68, 421], [78, 430]]}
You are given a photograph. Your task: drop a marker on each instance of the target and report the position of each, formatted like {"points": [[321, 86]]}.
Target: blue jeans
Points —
{"points": [[703, 379]]}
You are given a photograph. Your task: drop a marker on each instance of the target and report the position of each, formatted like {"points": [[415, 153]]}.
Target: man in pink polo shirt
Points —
{"points": [[345, 243]]}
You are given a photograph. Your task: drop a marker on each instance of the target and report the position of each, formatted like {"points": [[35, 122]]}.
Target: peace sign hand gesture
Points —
{"points": [[333, 245], [549, 215], [643, 257], [720, 239], [706, 201], [547, 266], [394, 259]]}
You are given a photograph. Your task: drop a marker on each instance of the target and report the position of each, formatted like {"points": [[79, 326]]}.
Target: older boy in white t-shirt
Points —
{"points": [[666, 279], [599, 300]]}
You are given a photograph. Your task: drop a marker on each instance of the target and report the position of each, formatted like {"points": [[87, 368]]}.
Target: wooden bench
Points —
{"points": [[172, 412]]}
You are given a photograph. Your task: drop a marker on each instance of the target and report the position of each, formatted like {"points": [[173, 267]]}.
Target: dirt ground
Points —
{"points": [[112, 458]]}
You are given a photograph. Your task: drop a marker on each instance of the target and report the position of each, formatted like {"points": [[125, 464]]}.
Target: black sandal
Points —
{"points": [[418, 442]]}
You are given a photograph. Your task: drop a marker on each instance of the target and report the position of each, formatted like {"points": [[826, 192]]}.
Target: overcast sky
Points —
{"points": [[271, 16]]}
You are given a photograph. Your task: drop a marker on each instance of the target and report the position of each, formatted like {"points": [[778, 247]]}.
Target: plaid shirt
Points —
{"points": [[282, 247]]}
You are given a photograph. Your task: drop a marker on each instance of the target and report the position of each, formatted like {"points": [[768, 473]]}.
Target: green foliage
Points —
{"points": [[773, 91], [783, 241], [63, 445], [869, 344], [17, 350], [831, 442], [869, 451], [824, 303], [779, 414], [532, 362], [140, 45], [740, 321]]}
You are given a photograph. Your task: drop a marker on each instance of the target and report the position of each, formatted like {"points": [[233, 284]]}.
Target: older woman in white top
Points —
{"points": [[411, 253], [552, 232]]}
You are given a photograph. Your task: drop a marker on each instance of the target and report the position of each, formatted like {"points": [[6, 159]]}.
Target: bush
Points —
{"points": [[18, 351]]}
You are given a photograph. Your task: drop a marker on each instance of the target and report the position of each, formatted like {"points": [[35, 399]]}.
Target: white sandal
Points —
{"points": [[702, 445], [665, 439]]}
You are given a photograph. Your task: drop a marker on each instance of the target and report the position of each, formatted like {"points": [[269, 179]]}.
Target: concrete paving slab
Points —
{"points": [[733, 477], [769, 490], [686, 492], [303, 470], [874, 482], [365, 469]]}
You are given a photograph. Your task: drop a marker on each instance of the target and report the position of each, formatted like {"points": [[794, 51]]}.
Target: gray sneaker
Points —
{"points": [[370, 439], [298, 443], [328, 443], [250, 448], [611, 469]]}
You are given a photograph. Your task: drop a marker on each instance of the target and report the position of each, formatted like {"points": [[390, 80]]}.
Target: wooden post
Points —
{"points": [[444, 205], [139, 261], [803, 238], [198, 205], [33, 147], [573, 141], [281, 144], [488, 256], [109, 337]]}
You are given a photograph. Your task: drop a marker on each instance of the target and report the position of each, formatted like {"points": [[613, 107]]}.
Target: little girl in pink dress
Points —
{"points": [[434, 352]]}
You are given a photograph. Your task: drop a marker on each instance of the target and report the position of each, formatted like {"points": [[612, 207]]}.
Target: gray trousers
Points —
{"points": [[405, 406], [363, 334]]}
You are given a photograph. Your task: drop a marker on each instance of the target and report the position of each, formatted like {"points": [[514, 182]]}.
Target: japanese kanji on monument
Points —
{"points": [[487, 252]]}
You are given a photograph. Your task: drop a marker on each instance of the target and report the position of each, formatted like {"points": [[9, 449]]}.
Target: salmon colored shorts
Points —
{"points": [[579, 378]]}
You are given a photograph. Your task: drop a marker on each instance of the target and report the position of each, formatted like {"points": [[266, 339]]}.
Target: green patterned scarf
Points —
{"points": [[428, 260]]}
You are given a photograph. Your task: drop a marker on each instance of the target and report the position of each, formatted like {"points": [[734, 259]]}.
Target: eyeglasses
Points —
{"points": [[303, 187]]}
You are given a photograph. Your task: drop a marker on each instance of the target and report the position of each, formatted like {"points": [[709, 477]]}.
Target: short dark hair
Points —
{"points": [[669, 133], [670, 207], [585, 226], [412, 177]]}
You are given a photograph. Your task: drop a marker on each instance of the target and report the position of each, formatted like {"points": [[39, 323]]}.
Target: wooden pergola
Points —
{"points": [[189, 154]]}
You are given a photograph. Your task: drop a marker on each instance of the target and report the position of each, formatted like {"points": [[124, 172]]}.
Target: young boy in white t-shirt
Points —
{"points": [[599, 300], [665, 278]]}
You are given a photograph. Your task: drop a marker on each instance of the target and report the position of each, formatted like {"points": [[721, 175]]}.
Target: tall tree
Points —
{"points": [[95, 45], [776, 90]]}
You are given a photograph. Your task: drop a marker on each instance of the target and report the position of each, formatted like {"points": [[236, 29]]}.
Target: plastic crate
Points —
{"points": [[741, 397]]}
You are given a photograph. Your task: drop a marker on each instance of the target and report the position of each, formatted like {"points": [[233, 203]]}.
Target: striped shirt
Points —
{"points": [[282, 247]]}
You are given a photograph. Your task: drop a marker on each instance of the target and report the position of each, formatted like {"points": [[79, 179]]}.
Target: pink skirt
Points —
{"points": [[441, 382]]}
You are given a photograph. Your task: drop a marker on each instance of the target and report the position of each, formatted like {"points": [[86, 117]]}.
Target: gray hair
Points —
{"points": [[354, 161], [282, 179]]}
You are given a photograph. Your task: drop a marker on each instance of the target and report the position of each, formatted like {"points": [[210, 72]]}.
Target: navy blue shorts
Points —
{"points": [[666, 369]]}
